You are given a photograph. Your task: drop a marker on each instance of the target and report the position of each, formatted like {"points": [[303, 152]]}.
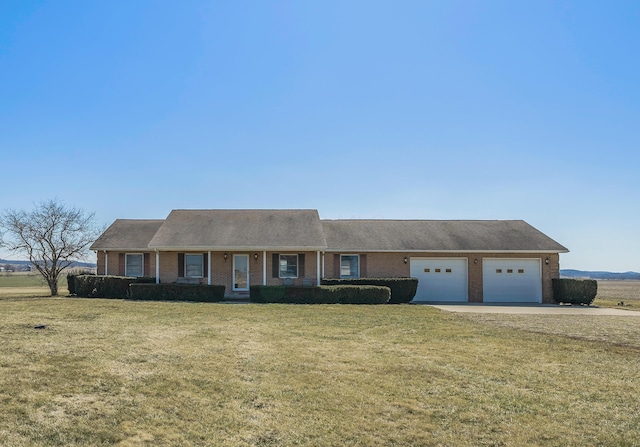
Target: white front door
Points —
{"points": [[511, 280], [240, 272], [440, 279]]}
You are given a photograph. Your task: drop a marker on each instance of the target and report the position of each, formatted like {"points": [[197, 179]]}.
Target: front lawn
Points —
{"points": [[111, 372]]}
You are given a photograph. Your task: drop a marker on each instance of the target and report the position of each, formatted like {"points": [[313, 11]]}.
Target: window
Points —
{"points": [[438, 270], [427, 270], [133, 265], [448, 270], [520, 270], [193, 266], [509, 270], [288, 266], [498, 270], [349, 266]]}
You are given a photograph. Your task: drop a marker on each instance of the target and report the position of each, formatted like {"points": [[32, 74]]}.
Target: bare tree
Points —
{"points": [[52, 236]]}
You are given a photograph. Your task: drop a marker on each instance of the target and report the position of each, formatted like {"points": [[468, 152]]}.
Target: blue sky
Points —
{"points": [[360, 109]]}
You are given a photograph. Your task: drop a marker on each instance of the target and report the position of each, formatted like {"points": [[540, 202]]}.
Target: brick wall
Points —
{"points": [[114, 267], [222, 270], [380, 265]]}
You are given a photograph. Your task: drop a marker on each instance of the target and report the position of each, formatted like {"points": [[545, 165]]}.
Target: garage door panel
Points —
{"points": [[440, 279], [512, 280]]}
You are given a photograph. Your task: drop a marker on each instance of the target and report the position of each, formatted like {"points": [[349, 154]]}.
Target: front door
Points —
{"points": [[240, 272]]}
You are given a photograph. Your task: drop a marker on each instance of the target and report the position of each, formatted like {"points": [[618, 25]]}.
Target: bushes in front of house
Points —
{"points": [[71, 280], [357, 294], [574, 291], [177, 292], [402, 289], [285, 294], [100, 286], [342, 294], [319, 295]]}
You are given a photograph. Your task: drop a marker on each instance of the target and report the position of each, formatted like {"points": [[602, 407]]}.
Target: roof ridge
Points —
{"points": [[245, 209], [422, 220]]}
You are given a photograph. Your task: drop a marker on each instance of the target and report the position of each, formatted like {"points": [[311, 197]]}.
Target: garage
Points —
{"points": [[512, 281], [440, 279]]}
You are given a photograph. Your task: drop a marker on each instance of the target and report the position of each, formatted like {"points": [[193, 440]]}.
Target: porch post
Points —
{"points": [[323, 264], [106, 263], [157, 267], [209, 267], [264, 268], [318, 269]]}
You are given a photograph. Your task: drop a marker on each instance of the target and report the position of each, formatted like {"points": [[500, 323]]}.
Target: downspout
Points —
{"points": [[157, 266], [264, 268]]}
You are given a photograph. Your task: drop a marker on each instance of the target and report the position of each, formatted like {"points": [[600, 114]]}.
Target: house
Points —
{"points": [[454, 261]]}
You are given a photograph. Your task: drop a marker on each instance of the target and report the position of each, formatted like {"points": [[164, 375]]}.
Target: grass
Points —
{"points": [[110, 372], [28, 285], [612, 293]]}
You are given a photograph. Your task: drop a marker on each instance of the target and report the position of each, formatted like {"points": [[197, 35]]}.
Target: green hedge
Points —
{"points": [[71, 280], [285, 294], [177, 292], [357, 294], [574, 291], [100, 286], [402, 289], [347, 294]]}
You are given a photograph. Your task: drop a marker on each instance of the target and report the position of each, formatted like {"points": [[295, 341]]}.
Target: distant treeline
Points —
{"points": [[598, 275], [25, 264]]}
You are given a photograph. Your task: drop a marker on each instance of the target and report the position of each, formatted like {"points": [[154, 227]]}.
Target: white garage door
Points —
{"points": [[511, 281], [440, 279]]}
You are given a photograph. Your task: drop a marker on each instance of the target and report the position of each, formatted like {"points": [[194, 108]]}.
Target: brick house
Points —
{"points": [[454, 261]]}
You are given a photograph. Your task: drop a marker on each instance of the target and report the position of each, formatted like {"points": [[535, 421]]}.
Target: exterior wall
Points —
{"points": [[310, 269], [385, 265], [222, 270], [100, 262], [168, 267], [114, 263], [378, 265]]}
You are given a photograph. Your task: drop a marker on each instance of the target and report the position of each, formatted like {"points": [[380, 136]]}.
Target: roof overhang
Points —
{"points": [[357, 250], [127, 249], [240, 248]]}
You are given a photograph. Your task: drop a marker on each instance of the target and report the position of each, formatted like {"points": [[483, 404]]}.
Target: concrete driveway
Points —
{"points": [[537, 309]]}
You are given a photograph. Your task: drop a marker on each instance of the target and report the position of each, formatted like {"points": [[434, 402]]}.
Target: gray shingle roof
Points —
{"points": [[303, 230], [436, 235], [240, 230], [128, 235]]}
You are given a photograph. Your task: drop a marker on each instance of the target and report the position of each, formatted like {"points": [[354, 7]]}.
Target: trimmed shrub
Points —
{"points": [[100, 286], [71, 280], [358, 294], [285, 294], [177, 292], [574, 291], [402, 289], [71, 284], [344, 294]]}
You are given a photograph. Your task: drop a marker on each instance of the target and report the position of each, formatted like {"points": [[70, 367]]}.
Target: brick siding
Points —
{"points": [[380, 265]]}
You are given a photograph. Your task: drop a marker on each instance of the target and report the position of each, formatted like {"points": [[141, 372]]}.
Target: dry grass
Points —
{"points": [[611, 330], [613, 293], [22, 285], [162, 374]]}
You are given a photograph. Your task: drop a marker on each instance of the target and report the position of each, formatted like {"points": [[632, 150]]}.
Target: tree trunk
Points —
{"points": [[53, 286]]}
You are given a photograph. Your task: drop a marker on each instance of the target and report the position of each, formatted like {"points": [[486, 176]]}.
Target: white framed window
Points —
{"points": [[349, 266], [288, 266], [193, 266], [134, 264]]}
